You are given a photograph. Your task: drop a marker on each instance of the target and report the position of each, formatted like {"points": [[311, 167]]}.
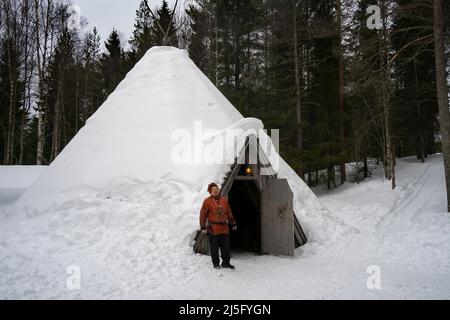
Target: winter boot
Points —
{"points": [[227, 266]]}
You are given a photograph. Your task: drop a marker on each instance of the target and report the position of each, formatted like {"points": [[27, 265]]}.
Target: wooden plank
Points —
{"points": [[252, 178], [297, 236], [265, 163], [300, 236], [201, 243], [277, 234], [237, 166]]}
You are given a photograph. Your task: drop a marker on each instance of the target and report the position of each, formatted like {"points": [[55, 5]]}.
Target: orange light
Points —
{"points": [[248, 170]]}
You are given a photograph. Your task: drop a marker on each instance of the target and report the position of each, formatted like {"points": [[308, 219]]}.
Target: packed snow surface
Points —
{"points": [[14, 180], [114, 206]]}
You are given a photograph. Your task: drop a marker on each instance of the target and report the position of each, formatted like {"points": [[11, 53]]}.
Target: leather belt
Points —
{"points": [[217, 222]]}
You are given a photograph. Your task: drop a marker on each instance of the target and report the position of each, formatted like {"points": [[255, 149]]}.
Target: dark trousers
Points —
{"points": [[221, 241]]}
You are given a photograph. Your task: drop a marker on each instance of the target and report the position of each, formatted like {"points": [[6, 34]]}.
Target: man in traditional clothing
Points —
{"points": [[215, 216]]}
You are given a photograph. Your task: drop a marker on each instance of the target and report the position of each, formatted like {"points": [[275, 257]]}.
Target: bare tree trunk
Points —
{"points": [[421, 148], [356, 145], [329, 178], [40, 138], [22, 138], [57, 117], [389, 150], [87, 103], [298, 104], [442, 92], [41, 56], [28, 76], [55, 137], [9, 155], [216, 51], [266, 53], [366, 169], [12, 38], [341, 86], [43, 14], [62, 122], [385, 69], [77, 101], [12, 65]]}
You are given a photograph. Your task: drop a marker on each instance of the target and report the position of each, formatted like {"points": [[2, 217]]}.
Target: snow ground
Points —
{"points": [[14, 180], [404, 232]]}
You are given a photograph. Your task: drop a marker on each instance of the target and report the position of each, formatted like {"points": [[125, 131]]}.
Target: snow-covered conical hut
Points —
{"points": [[121, 201]]}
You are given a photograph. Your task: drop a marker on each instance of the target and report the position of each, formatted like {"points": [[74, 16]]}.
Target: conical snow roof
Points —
{"points": [[130, 136], [114, 200]]}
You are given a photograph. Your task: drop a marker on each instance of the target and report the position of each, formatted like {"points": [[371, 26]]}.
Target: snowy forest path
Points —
{"points": [[420, 192]]}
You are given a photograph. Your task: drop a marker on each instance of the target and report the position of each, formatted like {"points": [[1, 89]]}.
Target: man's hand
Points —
{"points": [[204, 231]]}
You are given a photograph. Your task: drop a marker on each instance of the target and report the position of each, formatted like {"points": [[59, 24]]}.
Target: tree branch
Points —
{"points": [[154, 17]]}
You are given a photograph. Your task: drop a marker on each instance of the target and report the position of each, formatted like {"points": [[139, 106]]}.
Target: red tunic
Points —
{"points": [[218, 213]]}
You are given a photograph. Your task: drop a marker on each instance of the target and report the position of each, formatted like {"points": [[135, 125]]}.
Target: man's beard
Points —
{"points": [[216, 196]]}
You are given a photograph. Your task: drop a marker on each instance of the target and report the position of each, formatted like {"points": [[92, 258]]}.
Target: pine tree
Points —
{"points": [[202, 36], [92, 86], [112, 63], [323, 145], [414, 109], [280, 68], [61, 94], [364, 77], [143, 38]]}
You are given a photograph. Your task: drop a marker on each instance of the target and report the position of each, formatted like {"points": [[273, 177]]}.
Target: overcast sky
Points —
{"points": [[109, 14]]}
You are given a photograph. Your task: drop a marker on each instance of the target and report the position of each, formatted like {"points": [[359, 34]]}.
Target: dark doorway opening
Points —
{"points": [[245, 202]]}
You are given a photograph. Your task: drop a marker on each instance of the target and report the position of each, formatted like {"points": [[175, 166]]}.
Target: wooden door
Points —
{"points": [[277, 220]]}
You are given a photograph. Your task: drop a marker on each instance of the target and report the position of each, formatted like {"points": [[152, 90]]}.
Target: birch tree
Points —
{"points": [[442, 89]]}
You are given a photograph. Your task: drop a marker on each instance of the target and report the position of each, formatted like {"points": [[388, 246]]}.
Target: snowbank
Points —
{"points": [[14, 180], [19, 177]]}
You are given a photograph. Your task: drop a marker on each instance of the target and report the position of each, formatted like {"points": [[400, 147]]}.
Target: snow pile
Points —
{"points": [[114, 204], [15, 179], [19, 177]]}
